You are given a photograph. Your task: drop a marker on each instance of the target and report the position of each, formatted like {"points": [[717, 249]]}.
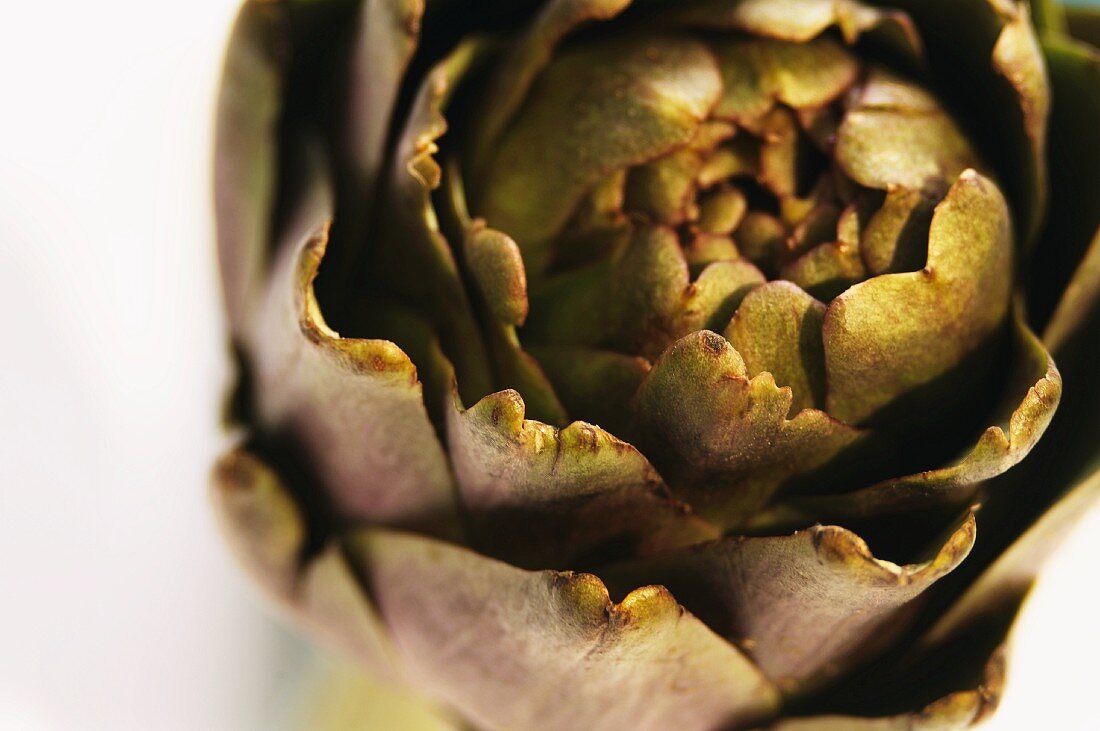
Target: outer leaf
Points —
{"points": [[1068, 450], [331, 603], [1019, 60], [341, 697], [245, 155], [985, 594], [387, 35], [946, 655], [355, 407], [545, 497], [261, 520], [804, 607], [263, 523], [546, 650], [1030, 508], [1081, 297]]}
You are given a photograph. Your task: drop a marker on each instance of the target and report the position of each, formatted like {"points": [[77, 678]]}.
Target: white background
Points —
{"points": [[119, 606]]}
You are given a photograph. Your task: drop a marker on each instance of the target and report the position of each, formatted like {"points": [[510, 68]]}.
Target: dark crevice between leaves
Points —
{"points": [[530, 538], [287, 461], [319, 39], [447, 23], [1084, 23], [442, 27], [894, 684], [308, 103], [239, 406], [1065, 454], [906, 538], [1011, 503], [1073, 148], [924, 428], [298, 474]]}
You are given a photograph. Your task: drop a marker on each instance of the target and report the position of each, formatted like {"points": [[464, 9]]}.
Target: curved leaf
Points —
{"points": [[265, 526], [1018, 58], [331, 603], [805, 607], [496, 266], [542, 496], [777, 328], [896, 332], [896, 133], [494, 262], [1005, 582], [387, 34], [546, 650], [721, 439], [1080, 298], [981, 602], [246, 152], [260, 519], [355, 407], [895, 238]]}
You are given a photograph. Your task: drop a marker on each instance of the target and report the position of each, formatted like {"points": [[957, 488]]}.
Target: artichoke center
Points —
{"points": [[659, 185]]}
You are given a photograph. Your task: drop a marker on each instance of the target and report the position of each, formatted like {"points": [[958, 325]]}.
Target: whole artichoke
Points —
{"points": [[584, 343]]}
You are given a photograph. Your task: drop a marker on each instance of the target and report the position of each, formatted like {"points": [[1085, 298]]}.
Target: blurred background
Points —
{"points": [[119, 606]]}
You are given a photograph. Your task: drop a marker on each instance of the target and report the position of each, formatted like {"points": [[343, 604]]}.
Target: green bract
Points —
{"points": [[654, 364]]}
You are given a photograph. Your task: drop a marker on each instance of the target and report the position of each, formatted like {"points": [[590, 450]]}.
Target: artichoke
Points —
{"points": [[652, 364]]}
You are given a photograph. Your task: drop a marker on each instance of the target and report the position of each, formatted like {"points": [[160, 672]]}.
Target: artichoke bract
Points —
{"points": [[650, 364]]}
